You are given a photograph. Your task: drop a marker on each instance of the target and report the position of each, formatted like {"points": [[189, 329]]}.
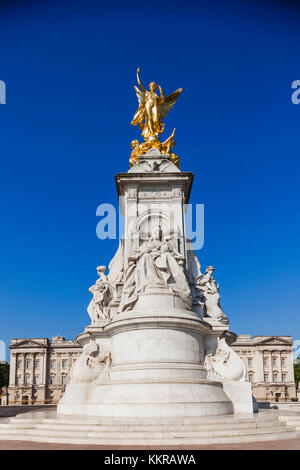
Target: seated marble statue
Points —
{"points": [[102, 295], [210, 292], [155, 264]]}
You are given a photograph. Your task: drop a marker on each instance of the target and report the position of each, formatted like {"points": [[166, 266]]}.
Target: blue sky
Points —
{"points": [[65, 131]]}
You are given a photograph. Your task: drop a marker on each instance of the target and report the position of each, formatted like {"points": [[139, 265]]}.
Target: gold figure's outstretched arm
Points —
{"points": [[162, 95], [139, 81]]}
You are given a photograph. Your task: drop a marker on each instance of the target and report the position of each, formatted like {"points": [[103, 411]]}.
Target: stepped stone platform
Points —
{"points": [[291, 418], [48, 427]]}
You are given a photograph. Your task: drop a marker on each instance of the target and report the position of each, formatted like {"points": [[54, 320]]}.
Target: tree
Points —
{"points": [[297, 371], [4, 374]]}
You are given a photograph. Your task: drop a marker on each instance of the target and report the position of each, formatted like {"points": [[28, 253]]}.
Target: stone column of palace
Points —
{"points": [[58, 367], [290, 375], [290, 367], [24, 369], [43, 379], [70, 362], [12, 378], [282, 389], [158, 347], [31, 393], [258, 366], [13, 369], [270, 373]]}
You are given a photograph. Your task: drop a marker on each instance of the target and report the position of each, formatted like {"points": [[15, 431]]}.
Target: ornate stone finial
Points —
{"points": [[149, 117]]}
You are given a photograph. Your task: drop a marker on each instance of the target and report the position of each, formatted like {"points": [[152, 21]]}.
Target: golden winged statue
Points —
{"points": [[149, 117]]}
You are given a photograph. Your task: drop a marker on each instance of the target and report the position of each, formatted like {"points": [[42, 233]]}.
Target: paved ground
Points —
{"points": [[291, 444]]}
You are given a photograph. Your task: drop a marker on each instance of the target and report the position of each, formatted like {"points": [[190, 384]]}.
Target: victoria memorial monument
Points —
{"points": [[155, 363], [158, 342]]}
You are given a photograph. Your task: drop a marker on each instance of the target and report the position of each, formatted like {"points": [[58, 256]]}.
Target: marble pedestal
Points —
{"points": [[157, 369]]}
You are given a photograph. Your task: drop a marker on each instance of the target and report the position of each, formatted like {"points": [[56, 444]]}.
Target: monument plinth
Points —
{"points": [[158, 344]]}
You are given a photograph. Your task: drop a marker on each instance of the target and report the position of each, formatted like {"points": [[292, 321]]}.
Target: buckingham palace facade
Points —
{"points": [[39, 368], [269, 365]]}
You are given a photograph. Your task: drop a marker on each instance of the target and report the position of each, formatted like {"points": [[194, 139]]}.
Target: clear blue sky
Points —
{"points": [[65, 131]]}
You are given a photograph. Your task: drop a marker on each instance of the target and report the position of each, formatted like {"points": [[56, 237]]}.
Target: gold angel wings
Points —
{"points": [[149, 117]]}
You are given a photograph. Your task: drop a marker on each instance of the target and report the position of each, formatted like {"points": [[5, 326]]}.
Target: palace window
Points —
{"points": [[52, 364], [266, 362], [36, 379], [27, 380], [19, 380], [28, 364], [274, 361], [250, 378], [266, 377], [37, 364], [275, 378], [283, 377], [52, 379], [63, 379], [250, 361], [283, 361], [64, 363]]}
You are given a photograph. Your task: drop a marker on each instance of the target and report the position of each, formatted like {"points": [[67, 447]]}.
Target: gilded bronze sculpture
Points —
{"points": [[149, 117]]}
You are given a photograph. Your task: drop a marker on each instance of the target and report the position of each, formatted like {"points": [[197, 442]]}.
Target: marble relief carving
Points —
{"points": [[92, 365], [225, 364]]}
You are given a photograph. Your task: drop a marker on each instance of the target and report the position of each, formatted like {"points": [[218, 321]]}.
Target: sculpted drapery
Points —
{"points": [[210, 292], [102, 295], [154, 265]]}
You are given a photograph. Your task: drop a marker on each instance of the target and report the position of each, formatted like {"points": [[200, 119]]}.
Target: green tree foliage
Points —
{"points": [[4, 374], [297, 371]]}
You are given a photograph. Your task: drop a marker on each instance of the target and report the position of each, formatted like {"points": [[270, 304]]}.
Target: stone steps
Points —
{"points": [[291, 421], [137, 432], [154, 442], [149, 428], [198, 420], [143, 434]]}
